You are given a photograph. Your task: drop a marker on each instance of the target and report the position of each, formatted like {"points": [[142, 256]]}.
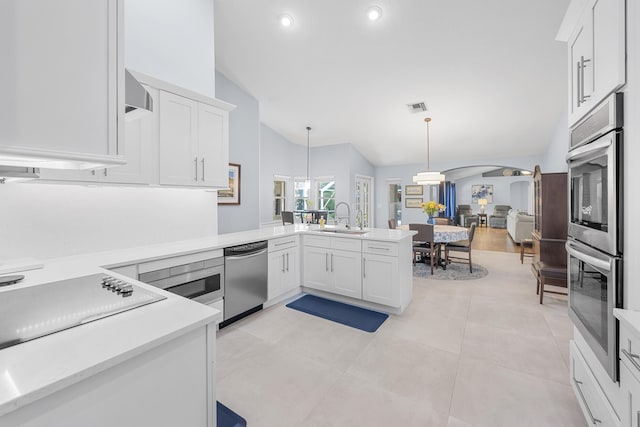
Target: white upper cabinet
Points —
{"points": [[178, 140], [597, 60], [62, 83], [194, 142]]}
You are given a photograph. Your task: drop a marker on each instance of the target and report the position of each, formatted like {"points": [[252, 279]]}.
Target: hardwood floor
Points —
{"points": [[494, 239]]}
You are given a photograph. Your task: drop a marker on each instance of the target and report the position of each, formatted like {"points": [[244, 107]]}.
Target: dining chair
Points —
{"points": [[462, 246], [287, 217], [423, 243], [392, 223], [440, 220]]}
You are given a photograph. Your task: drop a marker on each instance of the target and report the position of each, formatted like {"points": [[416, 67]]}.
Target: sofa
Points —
{"points": [[519, 225], [465, 215], [499, 217]]}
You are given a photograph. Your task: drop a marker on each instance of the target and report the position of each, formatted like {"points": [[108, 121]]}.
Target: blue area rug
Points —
{"points": [[228, 418], [356, 317]]}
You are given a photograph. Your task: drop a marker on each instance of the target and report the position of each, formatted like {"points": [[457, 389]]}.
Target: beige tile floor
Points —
{"points": [[465, 353]]}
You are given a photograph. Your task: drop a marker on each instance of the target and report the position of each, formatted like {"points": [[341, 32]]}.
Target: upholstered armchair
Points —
{"points": [[499, 217], [465, 215]]}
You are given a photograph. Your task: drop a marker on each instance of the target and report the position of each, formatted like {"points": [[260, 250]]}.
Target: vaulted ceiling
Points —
{"points": [[490, 73]]}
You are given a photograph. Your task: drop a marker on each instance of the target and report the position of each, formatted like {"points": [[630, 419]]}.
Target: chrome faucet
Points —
{"points": [[359, 218], [338, 218]]}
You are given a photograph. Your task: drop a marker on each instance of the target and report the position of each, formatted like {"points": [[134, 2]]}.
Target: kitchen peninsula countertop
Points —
{"points": [[43, 366]]}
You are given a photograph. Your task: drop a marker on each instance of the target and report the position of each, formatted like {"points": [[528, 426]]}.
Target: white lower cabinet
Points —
{"points": [[329, 269], [631, 395], [379, 274], [283, 266], [591, 398]]}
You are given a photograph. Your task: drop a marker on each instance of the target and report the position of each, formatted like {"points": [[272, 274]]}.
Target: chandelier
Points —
{"points": [[428, 177]]}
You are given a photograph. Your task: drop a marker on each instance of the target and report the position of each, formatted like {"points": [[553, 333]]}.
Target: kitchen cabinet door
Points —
{"points": [[630, 387], [379, 275], [346, 269], [277, 272], [316, 269], [62, 97], [140, 150], [291, 279], [178, 140], [597, 56], [213, 146], [581, 69]]}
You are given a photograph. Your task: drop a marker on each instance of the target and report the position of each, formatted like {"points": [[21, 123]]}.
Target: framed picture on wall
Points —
{"points": [[413, 190], [412, 202], [231, 196], [481, 191]]}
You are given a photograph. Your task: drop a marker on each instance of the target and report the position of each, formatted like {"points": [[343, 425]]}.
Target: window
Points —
{"points": [[279, 197], [326, 195], [301, 194]]}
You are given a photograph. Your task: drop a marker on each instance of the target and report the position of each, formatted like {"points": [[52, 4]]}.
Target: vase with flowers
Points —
{"points": [[431, 208]]}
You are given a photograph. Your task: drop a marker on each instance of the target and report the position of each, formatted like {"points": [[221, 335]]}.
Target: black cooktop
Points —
{"points": [[36, 311]]}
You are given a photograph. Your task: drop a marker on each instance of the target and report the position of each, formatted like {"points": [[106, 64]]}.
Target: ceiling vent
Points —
{"points": [[417, 107]]}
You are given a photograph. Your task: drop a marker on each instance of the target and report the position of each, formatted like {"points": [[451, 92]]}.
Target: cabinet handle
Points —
{"points": [[326, 261], [202, 169], [195, 162], [378, 248], [586, 405], [632, 358], [287, 262], [105, 171], [283, 263], [364, 268], [332, 263], [578, 85], [582, 67]]}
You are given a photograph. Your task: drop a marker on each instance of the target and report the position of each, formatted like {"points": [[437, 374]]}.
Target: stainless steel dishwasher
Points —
{"points": [[246, 278]]}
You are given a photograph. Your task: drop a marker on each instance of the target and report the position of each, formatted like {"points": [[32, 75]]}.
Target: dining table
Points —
{"points": [[443, 234]]}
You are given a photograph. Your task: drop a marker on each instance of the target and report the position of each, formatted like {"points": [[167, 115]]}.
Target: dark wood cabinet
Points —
{"points": [[550, 225]]}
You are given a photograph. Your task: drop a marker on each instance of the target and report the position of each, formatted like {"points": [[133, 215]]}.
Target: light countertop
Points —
{"points": [[37, 368]]}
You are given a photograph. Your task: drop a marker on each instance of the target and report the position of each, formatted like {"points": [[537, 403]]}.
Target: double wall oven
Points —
{"points": [[594, 244]]}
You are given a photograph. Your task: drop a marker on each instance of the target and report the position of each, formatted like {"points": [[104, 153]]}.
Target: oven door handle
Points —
{"points": [[590, 151], [601, 264]]}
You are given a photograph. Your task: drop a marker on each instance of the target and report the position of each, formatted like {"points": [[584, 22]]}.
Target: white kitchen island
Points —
{"points": [[155, 365]]}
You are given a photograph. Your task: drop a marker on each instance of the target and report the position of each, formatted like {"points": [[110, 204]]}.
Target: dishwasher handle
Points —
{"points": [[246, 256]]}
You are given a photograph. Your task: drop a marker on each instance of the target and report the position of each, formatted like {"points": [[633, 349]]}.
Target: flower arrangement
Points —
{"points": [[432, 207]]}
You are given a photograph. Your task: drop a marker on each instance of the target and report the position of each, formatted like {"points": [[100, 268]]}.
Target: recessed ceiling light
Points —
{"points": [[286, 20], [374, 13]]}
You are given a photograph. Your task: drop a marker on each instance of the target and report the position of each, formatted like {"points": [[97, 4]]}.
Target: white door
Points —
{"points": [[346, 268], [316, 268], [379, 279], [213, 167], [364, 200], [178, 140]]}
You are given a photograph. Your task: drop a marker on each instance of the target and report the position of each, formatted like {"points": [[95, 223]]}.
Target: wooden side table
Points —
{"points": [[525, 243], [482, 218]]}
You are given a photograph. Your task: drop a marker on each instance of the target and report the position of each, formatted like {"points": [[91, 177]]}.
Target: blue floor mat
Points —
{"points": [[228, 418], [356, 317]]}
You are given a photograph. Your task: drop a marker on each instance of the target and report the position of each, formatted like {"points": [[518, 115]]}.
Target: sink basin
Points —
{"points": [[342, 231]]}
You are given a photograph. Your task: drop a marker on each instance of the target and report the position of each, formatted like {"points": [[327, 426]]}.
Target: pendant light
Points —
{"points": [[428, 177]]}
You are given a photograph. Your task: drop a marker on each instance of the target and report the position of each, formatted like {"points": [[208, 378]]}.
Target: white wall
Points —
{"points": [[556, 154], [172, 40], [278, 156], [244, 149], [52, 220]]}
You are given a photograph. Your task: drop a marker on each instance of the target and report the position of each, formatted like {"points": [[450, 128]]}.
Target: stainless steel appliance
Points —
{"points": [[595, 289], [245, 281], [595, 178], [202, 281], [36, 311], [594, 243]]}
